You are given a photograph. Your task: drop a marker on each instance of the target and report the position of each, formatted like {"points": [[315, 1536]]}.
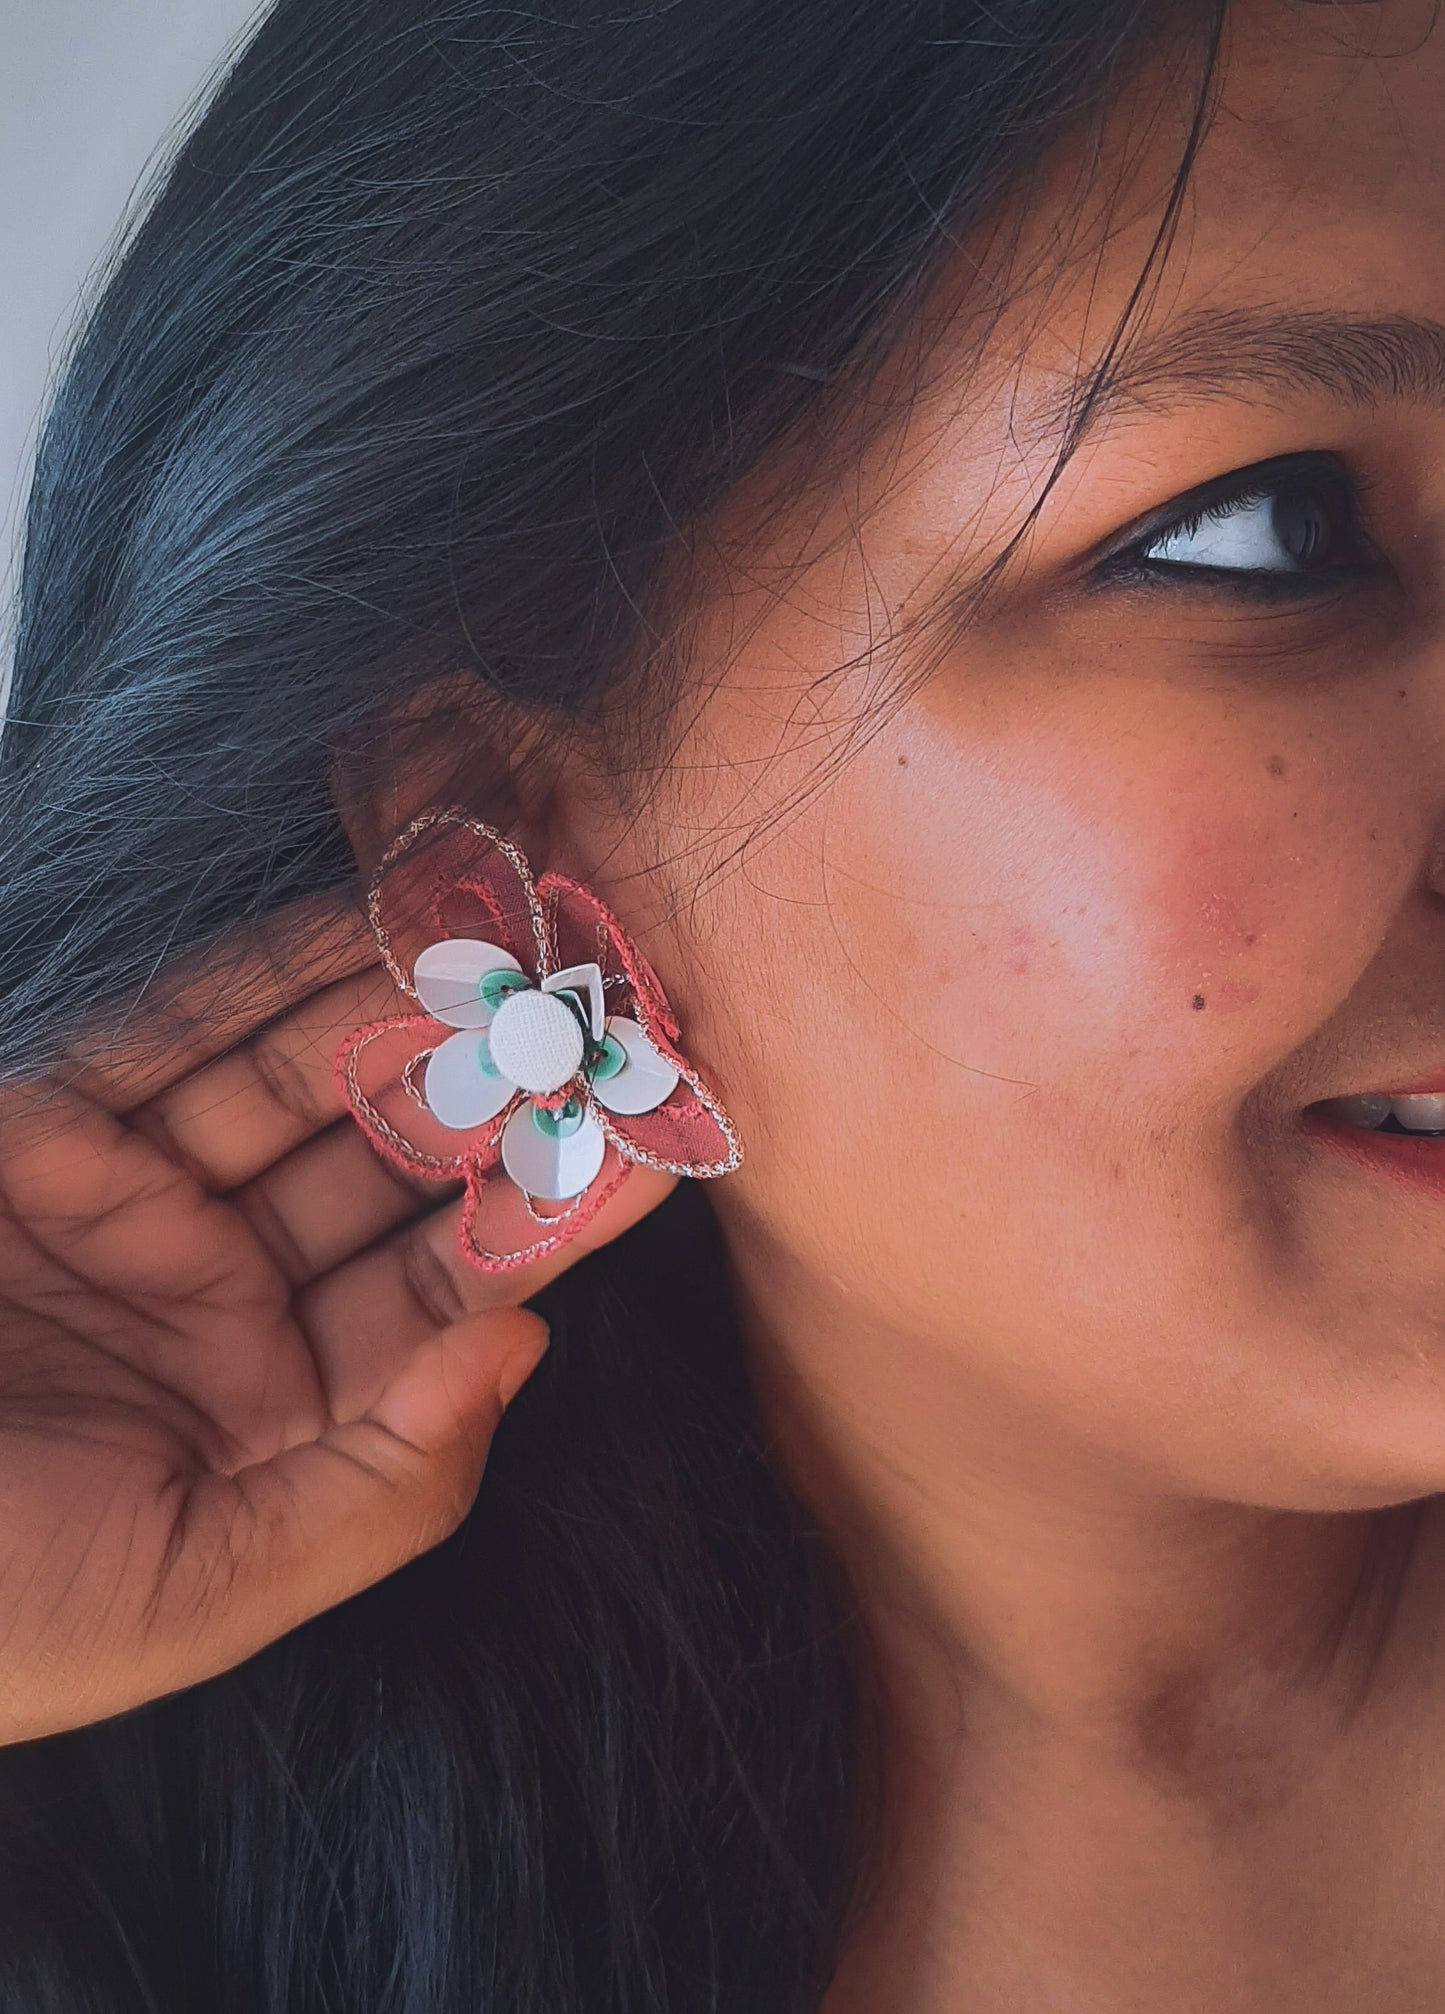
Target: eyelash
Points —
{"points": [[1347, 494]]}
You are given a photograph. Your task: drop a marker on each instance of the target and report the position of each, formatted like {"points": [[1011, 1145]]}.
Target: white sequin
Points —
{"points": [[545, 1166]]}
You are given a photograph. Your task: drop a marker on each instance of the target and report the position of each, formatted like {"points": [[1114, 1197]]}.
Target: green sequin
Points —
{"points": [[610, 1059], [495, 987], [558, 1125]]}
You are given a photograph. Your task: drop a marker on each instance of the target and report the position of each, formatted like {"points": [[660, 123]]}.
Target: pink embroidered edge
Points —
{"points": [[498, 841], [585, 1209], [497, 923], [613, 1124], [384, 1137], [642, 981]]}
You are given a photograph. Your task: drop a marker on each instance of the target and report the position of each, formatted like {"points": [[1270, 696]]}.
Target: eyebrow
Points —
{"points": [[1225, 353]]}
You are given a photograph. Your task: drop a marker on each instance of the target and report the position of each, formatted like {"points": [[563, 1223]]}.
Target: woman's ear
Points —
{"points": [[448, 742]]}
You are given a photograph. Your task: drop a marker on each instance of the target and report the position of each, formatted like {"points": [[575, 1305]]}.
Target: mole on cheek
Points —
{"points": [[1215, 917], [1229, 995]]}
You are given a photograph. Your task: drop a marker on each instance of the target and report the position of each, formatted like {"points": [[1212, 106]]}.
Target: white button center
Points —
{"points": [[536, 1041]]}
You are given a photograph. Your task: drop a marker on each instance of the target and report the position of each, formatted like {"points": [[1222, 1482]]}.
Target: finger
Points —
{"points": [[328, 1200], [212, 999], [641, 1192], [153, 1268], [253, 1554], [356, 1318], [231, 1119], [102, 1200]]}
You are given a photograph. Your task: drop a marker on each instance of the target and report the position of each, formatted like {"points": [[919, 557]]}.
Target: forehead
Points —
{"points": [[1319, 181], [1335, 102], [1318, 189], [1314, 206]]}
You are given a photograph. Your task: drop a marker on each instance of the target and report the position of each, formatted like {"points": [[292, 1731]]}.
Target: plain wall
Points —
{"points": [[90, 91]]}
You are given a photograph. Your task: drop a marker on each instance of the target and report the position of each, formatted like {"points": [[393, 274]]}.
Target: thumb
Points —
{"points": [[324, 1519]]}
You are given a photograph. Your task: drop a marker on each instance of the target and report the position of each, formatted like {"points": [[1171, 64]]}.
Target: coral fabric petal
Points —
{"points": [[372, 1069], [687, 1134], [455, 877], [498, 1232], [583, 929]]}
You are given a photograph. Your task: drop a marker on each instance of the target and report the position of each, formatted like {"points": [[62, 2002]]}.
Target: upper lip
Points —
{"points": [[1423, 1085]]}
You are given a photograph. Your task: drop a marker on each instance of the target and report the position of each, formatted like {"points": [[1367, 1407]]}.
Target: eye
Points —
{"points": [[1279, 530]]}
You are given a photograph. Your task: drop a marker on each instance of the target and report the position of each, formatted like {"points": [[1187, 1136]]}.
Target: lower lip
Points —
{"points": [[1421, 1163]]}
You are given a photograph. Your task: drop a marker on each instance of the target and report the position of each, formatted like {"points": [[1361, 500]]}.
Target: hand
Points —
{"points": [[244, 1370]]}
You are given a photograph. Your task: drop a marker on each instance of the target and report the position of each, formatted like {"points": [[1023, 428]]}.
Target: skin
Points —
{"points": [[1123, 1402]]}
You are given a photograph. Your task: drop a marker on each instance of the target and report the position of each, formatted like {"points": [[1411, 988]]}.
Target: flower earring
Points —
{"points": [[543, 1063]]}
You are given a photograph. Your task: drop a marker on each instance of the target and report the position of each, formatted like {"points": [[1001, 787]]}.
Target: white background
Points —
{"points": [[90, 92]]}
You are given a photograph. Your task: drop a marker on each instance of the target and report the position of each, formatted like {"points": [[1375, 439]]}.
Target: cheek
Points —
{"points": [[981, 923], [1263, 902]]}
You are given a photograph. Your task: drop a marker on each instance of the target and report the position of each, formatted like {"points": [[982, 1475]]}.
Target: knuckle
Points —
{"points": [[285, 1081], [463, 1479], [431, 1494], [428, 1278], [274, 1233]]}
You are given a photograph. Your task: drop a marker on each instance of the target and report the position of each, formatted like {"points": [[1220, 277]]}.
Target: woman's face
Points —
{"points": [[1018, 989]]}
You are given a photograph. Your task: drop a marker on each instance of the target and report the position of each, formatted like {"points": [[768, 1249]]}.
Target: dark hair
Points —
{"points": [[446, 323]]}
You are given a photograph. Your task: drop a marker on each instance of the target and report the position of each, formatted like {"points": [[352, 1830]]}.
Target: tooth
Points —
{"points": [[1422, 1112], [1368, 1110]]}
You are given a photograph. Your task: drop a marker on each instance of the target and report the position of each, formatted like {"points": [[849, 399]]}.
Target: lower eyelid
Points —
{"points": [[1237, 584]]}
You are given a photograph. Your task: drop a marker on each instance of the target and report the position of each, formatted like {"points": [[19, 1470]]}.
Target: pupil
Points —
{"points": [[1298, 525]]}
